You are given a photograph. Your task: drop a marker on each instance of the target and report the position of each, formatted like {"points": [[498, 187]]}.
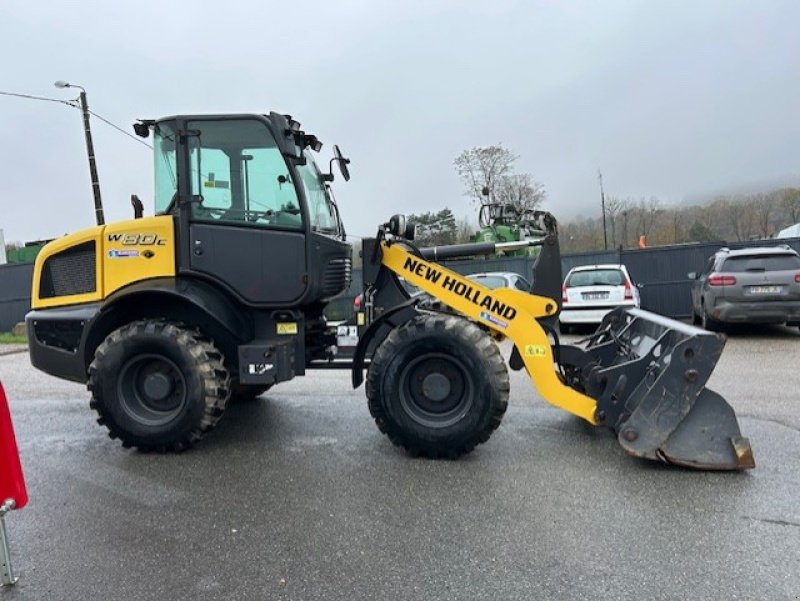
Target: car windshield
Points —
{"points": [[742, 264], [595, 277], [490, 281]]}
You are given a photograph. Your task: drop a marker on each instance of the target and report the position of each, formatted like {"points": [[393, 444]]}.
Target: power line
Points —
{"points": [[118, 128], [71, 103], [74, 104]]}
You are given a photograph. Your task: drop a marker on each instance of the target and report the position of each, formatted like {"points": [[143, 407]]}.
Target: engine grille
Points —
{"points": [[69, 272], [337, 277]]}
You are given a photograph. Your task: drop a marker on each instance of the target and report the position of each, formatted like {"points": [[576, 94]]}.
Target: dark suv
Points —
{"points": [[751, 285]]}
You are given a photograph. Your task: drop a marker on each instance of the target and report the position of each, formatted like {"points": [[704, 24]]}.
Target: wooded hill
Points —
{"points": [[728, 218]]}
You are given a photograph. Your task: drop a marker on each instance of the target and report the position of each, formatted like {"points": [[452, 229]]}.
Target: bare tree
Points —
{"points": [[762, 206], [790, 202], [740, 214], [677, 218], [615, 206], [647, 213], [484, 167], [465, 230], [520, 190]]}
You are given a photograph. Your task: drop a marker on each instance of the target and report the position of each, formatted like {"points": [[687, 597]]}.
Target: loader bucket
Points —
{"points": [[648, 374]]}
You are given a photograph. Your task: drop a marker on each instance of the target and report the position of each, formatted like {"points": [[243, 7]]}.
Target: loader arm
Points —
{"points": [[511, 313]]}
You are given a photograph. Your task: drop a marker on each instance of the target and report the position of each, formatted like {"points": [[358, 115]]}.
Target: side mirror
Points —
{"points": [[343, 162], [692, 275]]}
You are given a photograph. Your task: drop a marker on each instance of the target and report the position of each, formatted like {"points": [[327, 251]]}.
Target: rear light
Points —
{"points": [[563, 295], [797, 278], [721, 280], [357, 303], [628, 291]]}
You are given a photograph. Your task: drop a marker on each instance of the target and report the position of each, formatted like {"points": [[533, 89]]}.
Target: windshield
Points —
{"points": [[596, 277], [320, 208], [165, 168], [741, 264]]}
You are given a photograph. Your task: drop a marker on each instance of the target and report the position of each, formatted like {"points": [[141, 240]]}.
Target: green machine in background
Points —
{"points": [[503, 222]]}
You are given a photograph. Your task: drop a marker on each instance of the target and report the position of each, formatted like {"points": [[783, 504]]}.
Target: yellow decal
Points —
{"points": [[535, 350], [287, 328], [362, 319]]}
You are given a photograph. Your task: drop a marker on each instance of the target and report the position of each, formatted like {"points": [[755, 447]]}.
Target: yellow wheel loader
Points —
{"points": [[221, 294]]}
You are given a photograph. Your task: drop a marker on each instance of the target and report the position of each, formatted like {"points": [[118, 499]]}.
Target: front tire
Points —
{"points": [[438, 386], [158, 385]]}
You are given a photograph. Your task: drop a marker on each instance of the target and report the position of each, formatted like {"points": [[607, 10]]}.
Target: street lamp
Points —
{"points": [[98, 202]]}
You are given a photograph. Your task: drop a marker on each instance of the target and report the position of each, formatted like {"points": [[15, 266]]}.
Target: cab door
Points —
{"points": [[246, 226]]}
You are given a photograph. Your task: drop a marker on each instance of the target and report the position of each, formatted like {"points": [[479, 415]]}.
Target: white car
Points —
{"points": [[501, 279], [591, 291]]}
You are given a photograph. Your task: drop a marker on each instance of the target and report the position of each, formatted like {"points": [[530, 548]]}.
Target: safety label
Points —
{"points": [[287, 328], [535, 350], [347, 336]]}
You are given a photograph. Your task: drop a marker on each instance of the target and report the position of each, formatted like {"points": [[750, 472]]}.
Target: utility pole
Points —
{"points": [[87, 130], [603, 205]]}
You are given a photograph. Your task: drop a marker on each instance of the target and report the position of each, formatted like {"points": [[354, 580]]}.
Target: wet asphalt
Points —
{"points": [[298, 496]]}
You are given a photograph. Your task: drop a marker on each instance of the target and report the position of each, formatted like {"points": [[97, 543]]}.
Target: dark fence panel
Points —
{"points": [[15, 293], [661, 272], [594, 258]]}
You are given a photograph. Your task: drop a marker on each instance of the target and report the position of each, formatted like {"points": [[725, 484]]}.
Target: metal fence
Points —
{"points": [[15, 293], [661, 273]]}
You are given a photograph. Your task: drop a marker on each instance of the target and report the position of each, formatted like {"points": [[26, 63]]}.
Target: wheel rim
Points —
{"points": [[436, 390], [151, 389]]}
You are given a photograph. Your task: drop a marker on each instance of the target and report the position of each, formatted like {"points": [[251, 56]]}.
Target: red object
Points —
{"points": [[12, 481], [357, 303], [563, 294], [797, 278], [721, 280], [628, 291]]}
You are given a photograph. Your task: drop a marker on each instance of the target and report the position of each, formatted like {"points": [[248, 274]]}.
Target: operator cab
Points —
{"points": [[250, 205]]}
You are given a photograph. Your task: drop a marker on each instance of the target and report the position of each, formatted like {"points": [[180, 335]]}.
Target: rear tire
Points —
{"points": [[438, 386], [709, 323], [158, 385]]}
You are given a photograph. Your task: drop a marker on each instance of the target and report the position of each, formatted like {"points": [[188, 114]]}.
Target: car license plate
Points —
{"points": [[766, 289], [594, 295]]}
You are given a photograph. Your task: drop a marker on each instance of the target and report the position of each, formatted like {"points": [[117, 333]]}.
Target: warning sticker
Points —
{"points": [[287, 328], [347, 336], [535, 350]]}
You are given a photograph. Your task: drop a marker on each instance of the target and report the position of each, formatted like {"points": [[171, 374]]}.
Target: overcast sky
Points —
{"points": [[669, 99]]}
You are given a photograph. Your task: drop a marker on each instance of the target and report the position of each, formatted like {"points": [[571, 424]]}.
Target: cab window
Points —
{"points": [[241, 176]]}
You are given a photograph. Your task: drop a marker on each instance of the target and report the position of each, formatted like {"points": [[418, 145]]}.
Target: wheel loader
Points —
{"points": [[221, 295]]}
